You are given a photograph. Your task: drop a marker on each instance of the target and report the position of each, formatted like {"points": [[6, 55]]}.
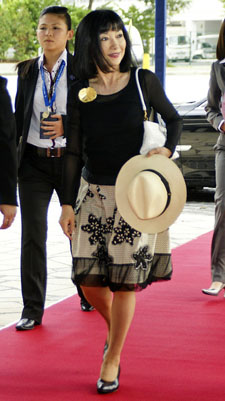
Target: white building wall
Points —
{"points": [[201, 16]]}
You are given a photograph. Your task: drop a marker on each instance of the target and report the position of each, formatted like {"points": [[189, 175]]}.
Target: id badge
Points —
{"points": [[46, 116]]}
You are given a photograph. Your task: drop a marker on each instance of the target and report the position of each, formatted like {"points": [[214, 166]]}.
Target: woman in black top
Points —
{"points": [[104, 130]]}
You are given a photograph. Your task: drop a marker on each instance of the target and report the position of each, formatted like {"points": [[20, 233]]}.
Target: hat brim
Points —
{"points": [[169, 170]]}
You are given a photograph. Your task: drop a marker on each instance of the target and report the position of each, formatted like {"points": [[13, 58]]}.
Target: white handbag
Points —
{"points": [[154, 133]]}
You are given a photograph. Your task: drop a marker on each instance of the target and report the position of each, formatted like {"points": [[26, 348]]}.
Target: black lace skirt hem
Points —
{"points": [[121, 277]]}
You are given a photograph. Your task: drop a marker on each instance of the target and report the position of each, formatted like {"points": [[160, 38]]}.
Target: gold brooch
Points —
{"points": [[87, 94]]}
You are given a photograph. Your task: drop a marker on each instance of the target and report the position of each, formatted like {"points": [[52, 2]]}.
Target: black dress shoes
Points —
{"points": [[85, 306], [104, 387], [26, 324]]}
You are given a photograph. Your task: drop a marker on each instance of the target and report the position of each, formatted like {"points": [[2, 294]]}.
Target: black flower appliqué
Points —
{"points": [[109, 225], [101, 196], [124, 232], [96, 228], [102, 255], [88, 194], [142, 258]]}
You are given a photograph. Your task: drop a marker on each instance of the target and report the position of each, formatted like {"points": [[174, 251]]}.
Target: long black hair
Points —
{"points": [[87, 49]]}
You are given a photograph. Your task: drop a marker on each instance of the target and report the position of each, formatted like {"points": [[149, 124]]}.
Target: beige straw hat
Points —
{"points": [[150, 193]]}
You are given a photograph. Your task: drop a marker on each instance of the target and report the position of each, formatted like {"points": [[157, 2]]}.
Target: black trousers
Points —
{"points": [[38, 178]]}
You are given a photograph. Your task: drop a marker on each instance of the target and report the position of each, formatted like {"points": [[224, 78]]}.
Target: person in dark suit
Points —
{"points": [[8, 164], [215, 110], [40, 111]]}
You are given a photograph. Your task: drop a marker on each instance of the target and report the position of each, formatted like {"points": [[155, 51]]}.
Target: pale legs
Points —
{"points": [[118, 312]]}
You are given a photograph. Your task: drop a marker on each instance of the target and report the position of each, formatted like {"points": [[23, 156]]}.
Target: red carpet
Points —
{"points": [[174, 350]]}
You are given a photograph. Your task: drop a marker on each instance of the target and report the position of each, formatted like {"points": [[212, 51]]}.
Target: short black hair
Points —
{"points": [[220, 48], [60, 11], [87, 49], [25, 66]]}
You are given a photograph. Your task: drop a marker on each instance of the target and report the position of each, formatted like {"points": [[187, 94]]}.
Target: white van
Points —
{"points": [[177, 48], [205, 47]]}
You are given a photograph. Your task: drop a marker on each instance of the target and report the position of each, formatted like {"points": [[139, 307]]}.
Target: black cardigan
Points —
{"points": [[25, 98]]}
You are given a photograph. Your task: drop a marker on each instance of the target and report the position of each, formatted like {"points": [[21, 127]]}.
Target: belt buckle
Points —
{"points": [[53, 152]]}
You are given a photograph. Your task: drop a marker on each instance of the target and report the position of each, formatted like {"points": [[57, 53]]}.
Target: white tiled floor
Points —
{"points": [[59, 266]]}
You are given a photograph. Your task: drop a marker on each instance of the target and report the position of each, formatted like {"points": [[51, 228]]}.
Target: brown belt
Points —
{"points": [[46, 152]]}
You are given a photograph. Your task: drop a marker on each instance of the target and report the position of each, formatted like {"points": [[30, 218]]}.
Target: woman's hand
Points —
{"points": [[67, 220], [53, 127], [161, 151]]}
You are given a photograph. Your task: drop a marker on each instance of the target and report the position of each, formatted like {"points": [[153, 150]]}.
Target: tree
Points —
{"points": [[19, 20], [173, 6], [90, 4], [5, 42], [144, 19], [21, 17]]}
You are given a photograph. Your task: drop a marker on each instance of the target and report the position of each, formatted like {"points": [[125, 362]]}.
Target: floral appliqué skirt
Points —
{"points": [[108, 252]]}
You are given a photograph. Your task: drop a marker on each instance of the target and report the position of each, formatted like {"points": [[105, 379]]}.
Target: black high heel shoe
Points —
{"points": [[104, 387]]}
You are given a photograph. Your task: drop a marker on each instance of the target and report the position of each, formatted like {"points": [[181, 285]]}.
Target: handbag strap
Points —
{"points": [[141, 94]]}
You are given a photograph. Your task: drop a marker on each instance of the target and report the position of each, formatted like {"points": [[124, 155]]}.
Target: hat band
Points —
{"points": [[166, 184]]}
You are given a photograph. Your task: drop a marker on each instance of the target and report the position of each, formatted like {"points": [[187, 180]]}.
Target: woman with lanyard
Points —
{"points": [[40, 117]]}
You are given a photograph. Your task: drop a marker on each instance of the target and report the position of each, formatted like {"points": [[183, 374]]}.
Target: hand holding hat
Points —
{"points": [[150, 193]]}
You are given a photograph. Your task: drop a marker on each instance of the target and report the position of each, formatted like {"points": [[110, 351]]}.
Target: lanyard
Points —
{"points": [[49, 100]]}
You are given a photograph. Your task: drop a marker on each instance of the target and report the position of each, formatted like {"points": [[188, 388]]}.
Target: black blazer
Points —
{"points": [[25, 98], [8, 157]]}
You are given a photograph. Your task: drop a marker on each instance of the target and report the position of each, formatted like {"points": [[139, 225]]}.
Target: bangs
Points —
{"points": [[108, 20], [111, 26]]}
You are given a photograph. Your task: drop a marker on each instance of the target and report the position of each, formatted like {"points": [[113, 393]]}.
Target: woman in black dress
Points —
{"points": [[105, 129]]}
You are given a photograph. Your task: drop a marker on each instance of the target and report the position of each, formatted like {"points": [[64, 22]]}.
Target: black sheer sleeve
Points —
{"points": [[73, 156], [158, 100]]}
